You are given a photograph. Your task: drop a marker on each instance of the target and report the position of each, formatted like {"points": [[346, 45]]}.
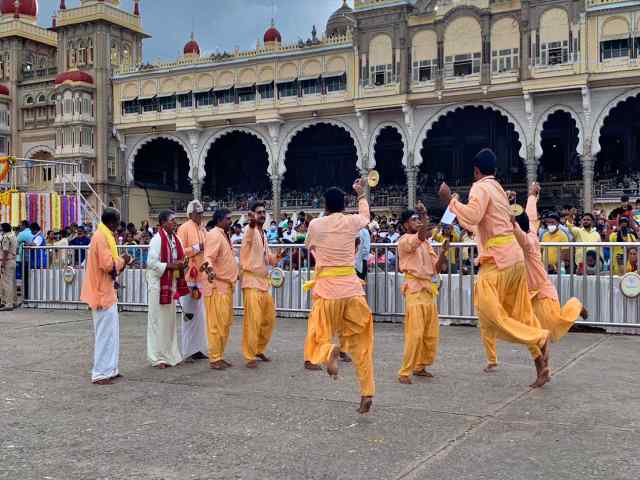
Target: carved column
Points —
{"points": [[588, 163], [532, 165], [412, 177], [194, 136], [276, 185]]}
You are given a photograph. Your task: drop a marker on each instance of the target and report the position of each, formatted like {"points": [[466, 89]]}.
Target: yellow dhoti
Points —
{"points": [[351, 319], [259, 322], [505, 311], [421, 332], [555, 319], [219, 309]]}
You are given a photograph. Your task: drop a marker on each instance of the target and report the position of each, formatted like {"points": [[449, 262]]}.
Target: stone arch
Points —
{"points": [[281, 168], [543, 119], [604, 114], [199, 168], [39, 148], [374, 138], [424, 131], [142, 142]]}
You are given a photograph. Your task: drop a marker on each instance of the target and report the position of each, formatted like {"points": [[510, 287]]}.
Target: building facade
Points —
{"points": [[412, 88]]}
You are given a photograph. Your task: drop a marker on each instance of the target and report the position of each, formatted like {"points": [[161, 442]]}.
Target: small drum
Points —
{"points": [[630, 285], [69, 275], [277, 277]]}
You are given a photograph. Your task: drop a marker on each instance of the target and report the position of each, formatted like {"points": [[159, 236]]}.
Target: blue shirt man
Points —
{"points": [[362, 254]]}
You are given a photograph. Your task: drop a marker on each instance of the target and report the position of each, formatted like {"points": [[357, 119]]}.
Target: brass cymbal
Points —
{"points": [[373, 178], [516, 210]]}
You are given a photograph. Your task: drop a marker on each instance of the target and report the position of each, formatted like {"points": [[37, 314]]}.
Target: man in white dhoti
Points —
{"points": [[165, 283], [99, 292], [194, 318]]}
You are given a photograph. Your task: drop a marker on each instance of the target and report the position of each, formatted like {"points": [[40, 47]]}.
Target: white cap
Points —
{"points": [[194, 207]]}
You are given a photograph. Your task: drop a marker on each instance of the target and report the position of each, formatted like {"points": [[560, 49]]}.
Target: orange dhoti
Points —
{"points": [[219, 307], [558, 320], [259, 322], [421, 332], [505, 311], [351, 320]]}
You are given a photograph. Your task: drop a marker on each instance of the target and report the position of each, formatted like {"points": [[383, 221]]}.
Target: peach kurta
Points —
{"points": [[488, 210], [331, 240], [97, 287], [192, 236], [417, 258], [255, 258], [219, 254]]}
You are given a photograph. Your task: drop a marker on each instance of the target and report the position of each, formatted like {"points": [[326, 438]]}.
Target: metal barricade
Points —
{"points": [[592, 272]]}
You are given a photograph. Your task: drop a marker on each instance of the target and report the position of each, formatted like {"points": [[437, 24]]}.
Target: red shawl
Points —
{"points": [[166, 281]]}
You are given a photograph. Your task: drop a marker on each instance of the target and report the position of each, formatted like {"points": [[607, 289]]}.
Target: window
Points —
{"points": [[336, 84], [167, 103], [225, 96], [614, 48], [311, 87], [204, 99], [86, 106], [266, 91], [288, 89], [554, 53], [247, 94], [424, 71], [506, 60], [185, 100], [112, 166], [381, 74], [130, 107], [42, 99], [29, 100], [90, 52], [149, 105], [462, 65], [3, 145]]}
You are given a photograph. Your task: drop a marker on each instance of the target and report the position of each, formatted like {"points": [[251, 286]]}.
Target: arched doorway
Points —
{"points": [[162, 165], [455, 139], [236, 168], [619, 157], [318, 157], [389, 151], [559, 139]]}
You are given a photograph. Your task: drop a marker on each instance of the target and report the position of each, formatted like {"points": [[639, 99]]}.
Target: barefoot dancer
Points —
{"points": [[339, 305], [501, 292], [420, 264], [218, 296], [546, 305]]}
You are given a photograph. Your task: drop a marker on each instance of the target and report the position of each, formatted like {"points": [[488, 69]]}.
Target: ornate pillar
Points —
{"points": [[532, 165], [588, 163], [276, 185], [412, 176], [194, 136], [196, 186]]}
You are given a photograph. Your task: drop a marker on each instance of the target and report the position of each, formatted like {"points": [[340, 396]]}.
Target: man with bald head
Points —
{"points": [[194, 321]]}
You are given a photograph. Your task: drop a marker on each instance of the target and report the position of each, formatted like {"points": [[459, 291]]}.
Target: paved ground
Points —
{"points": [[282, 422]]}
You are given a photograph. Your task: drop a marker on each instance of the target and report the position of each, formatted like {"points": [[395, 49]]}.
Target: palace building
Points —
{"points": [[412, 88]]}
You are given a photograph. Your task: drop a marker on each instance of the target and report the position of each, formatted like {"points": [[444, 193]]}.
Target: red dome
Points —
{"points": [[272, 35], [192, 47], [27, 7], [73, 76], [4, 90]]}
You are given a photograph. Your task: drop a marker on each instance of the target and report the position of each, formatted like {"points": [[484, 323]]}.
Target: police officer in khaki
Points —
{"points": [[8, 250]]}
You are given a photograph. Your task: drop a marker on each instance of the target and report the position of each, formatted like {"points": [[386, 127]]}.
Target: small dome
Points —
{"points": [[4, 90], [341, 20], [28, 8], [192, 47], [73, 76], [272, 34]]}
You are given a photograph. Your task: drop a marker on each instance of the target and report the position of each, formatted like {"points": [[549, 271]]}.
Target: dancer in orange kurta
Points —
{"points": [[420, 265], [339, 305], [502, 297], [218, 292], [544, 297], [259, 310]]}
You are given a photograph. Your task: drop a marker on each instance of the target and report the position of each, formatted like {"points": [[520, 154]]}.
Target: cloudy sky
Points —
{"points": [[218, 24]]}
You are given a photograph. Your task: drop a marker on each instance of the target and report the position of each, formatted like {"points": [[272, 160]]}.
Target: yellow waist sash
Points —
{"points": [[500, 240], [435, 288], [329, 272]]}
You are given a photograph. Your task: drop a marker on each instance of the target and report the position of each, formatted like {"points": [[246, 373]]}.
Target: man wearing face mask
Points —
{"points": [[555, 235], [585, 234]]}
